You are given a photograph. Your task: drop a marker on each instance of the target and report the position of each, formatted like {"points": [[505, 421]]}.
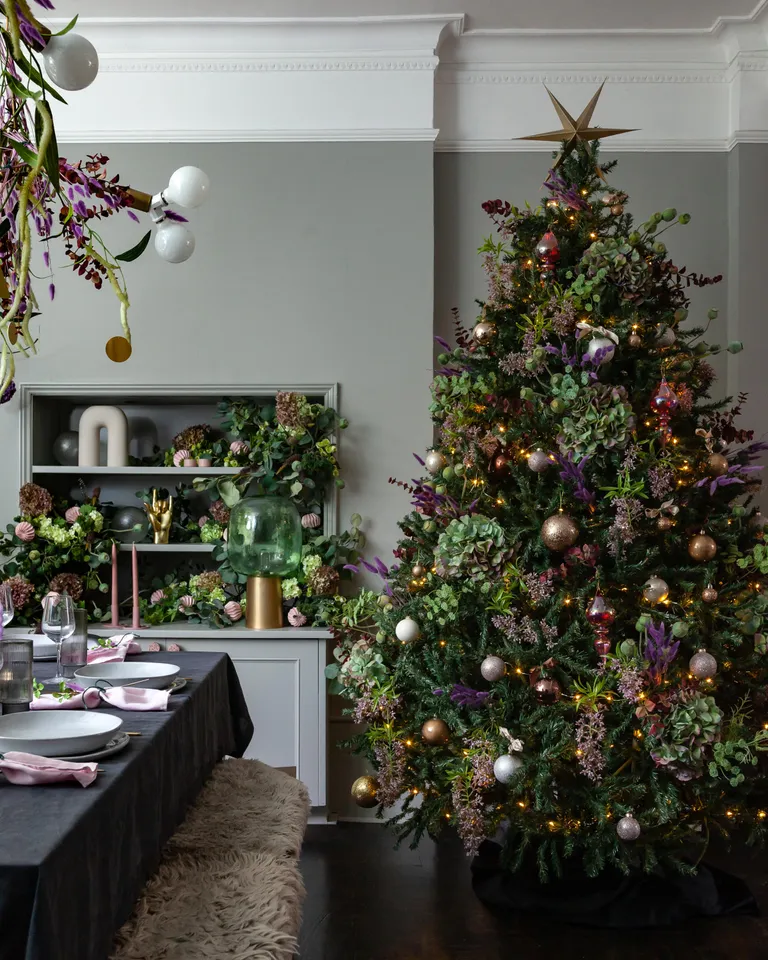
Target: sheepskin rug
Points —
{"points": [[229, 886]]}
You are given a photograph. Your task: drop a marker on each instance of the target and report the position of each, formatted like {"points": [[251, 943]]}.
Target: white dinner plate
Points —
{"points": [[155, 675], [42, 648], [57, 733]]}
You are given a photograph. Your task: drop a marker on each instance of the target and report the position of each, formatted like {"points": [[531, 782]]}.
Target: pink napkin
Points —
{"points": [[121, 698], [25, 769], [120, 647]]}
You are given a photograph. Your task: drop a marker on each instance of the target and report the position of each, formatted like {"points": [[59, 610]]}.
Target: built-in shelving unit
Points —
{"points": [[186, 472], [167, 547]]}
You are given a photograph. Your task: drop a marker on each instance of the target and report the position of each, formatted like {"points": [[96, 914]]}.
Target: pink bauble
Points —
{"points": [[233, 610], [157, 596], [173, 648], [239, 446], [72, 514], [154, 647], [296, 618], [186, 601], [202, 521], [180, 456], [25, 531], [310, 521]]}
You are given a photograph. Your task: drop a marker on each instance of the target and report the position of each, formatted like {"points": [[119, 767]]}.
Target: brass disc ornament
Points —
{"points": [[118, 349]]}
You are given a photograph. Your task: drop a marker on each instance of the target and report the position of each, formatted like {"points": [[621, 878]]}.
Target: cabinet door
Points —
{"points": [[283, 684]]}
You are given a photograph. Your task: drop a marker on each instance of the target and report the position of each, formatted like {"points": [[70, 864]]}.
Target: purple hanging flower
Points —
{"points": [[565, 192], [10, 390], [573, 472], [727, 479], [660, 650], [467, 697]]}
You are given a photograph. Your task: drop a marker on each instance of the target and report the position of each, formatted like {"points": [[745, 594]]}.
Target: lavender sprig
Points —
{"points": [[573, 472], [660, 650]]}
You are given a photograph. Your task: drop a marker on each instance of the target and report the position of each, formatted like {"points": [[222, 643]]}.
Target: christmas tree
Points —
{"points": [[569, 642]]}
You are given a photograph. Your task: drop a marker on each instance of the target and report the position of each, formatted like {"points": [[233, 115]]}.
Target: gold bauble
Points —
{"points": [[559, 532], [435, 731], [418, 571], [634, 341], [702, 548], [709, 594], [484, 332], [717, 465], [617, 209], [364, 791], [665, 523]]}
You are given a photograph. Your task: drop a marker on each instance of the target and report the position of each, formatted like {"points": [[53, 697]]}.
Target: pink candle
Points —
{"points": [[135, 576], [115, 610]]}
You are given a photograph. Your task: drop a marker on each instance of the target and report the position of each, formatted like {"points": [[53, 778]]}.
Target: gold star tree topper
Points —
{"points": [[575, 131]]}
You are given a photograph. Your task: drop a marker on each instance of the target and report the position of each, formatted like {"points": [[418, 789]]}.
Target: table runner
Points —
{"points": [[73, 861]]}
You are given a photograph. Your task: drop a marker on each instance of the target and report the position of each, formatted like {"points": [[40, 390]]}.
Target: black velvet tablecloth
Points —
{"points": [[74, 860]]}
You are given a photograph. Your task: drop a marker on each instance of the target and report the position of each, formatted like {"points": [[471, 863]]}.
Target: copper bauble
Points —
{"points": [[418, 571], [702, 665], [617, 209], [539, 461], [501, 464], [484, 332], [664, 523], [709, 594], [493, 669], [559, 532], [547, 690], [364, 791], [634, 341], [435, 731], [702, 548], [717, 465]]}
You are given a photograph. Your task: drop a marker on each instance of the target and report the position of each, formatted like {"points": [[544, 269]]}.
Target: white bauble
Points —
{"points": [[506, 766], [174, 242], [435, 461], [407, 630], [655, 590], [601, 343], [665, 336]]}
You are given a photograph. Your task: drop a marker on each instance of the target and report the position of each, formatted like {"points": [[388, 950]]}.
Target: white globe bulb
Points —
{"points": [[71, 61], [407, 630], [174, 242], [188, 187]]}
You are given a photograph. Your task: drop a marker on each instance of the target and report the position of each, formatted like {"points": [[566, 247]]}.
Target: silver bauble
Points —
{"points": [[757, 522], [539, 461], [702, 665], [628, 828], [66, 447], [506, 766], [124, 521], [493, 669], [435, 461], [666, 336], [601, 343], [655, 590]]}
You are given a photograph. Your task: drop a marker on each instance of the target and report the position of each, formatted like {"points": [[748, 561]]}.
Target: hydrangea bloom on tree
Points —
{"points": [[583, 565]]}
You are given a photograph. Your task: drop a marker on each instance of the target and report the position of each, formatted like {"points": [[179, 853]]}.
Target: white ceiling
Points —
{"points": [[546, 15]]}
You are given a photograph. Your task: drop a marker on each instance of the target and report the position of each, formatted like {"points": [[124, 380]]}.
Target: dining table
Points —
{"points": [[73, 860]]}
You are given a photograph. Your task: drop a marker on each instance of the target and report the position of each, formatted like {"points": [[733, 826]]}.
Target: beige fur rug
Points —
{"points": [[229, 886]]}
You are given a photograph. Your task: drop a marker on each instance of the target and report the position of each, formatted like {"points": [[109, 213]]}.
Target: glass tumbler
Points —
{"points": [[74, 651], [16, 676]]}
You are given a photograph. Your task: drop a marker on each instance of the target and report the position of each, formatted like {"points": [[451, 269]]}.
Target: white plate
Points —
{"points": [[42, 648], [57, 733], [115, 745], [155, 675]]}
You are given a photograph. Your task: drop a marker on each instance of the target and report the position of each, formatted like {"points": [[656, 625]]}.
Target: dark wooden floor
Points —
{"points": [[367, 901]]}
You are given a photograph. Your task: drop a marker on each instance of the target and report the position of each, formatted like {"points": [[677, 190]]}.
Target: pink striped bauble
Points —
{"points": [[157, 596], [25, 531], [154, 647], [186, 601], [233, 610], [180, 456], [296, 618], [239, 446], [202, 521], [310, 521], [72, 514], [173, 648]]}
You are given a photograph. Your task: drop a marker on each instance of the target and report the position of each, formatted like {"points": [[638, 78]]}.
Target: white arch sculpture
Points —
{"points": [[116, 424]]}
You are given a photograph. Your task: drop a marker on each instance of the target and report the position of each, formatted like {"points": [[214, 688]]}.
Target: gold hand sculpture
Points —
{"points": [[160, 513]]}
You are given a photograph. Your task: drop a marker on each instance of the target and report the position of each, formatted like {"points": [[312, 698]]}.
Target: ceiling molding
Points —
{"points": [[401, 78]]}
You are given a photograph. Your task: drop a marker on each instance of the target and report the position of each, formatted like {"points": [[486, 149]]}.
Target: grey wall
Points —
{"points": [[313, 264], [696, 183]]}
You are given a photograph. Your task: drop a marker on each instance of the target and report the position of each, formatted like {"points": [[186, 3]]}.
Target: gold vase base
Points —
{"points": [[264, 603]]}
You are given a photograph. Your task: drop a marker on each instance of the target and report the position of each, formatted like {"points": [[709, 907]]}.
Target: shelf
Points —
{"points": [[167, 547], [139, 471], [191, 631]]}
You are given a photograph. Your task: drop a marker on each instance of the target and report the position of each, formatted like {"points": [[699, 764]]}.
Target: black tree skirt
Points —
{"points": [[611, 900]]}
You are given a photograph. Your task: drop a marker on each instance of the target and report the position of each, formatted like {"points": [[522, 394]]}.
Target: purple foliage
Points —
{"points": [[573, 472], [467, 697], [660, 650]]}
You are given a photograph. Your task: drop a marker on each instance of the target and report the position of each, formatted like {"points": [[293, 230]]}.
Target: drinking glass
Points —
{"points": [[74, 652], [58, 625], [6, 602]]}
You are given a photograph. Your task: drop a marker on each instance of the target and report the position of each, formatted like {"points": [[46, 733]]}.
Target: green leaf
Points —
{"points": [[51, 158], [31, 71], [229, 492], [296, 488], [21, 91], [27, 155], [69, 26], [135, 252]]}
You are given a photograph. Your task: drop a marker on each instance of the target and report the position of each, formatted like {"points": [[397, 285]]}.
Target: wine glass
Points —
{"points": [[6, 602], [58, 625]]}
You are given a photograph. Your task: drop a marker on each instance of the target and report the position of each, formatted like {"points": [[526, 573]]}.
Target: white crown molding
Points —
{"points": [[400, 78]]}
